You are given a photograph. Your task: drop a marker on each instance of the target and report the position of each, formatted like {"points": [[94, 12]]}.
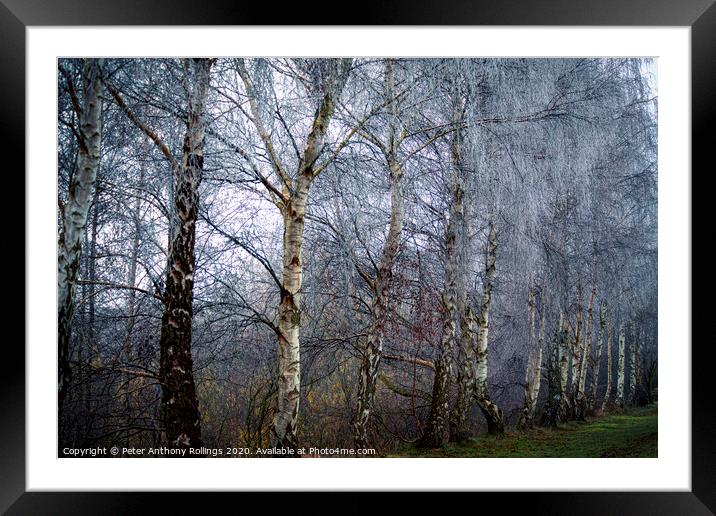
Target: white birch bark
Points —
{"points": [[467, 323], [608, 390], [586, 346], [564, 353], [492, 413], [537, 375], [437, 426], [596, 364], [633, 368], [74, 218], [533, 374], [620, 367], [465, 374], [575, 355], [292, 201]]}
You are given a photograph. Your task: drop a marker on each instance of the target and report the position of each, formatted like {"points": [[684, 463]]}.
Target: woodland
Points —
{"points": [[366, 253]]}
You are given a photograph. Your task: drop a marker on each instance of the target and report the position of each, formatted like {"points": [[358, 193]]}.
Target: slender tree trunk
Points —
{"points": [[575, 360], [93, 358], [620, 367], [289, 321], [376, 332], [492, 413], [586, 345], [465, 374], [87, 347], [179, 404], [608, 390], [632, 364], [379, 308], [553, 412], [649, 375], [641, 390], [580, 402], [74, 218], [437, 428], [284, 426], [132, 269], [534, 377], [93, 349], [131, 301], [563, 367], [537, 376], [596, 365], [534, 361], [466, 332]]}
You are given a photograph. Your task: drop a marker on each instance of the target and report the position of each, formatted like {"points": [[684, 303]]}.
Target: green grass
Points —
{"points": [[632, 433]]}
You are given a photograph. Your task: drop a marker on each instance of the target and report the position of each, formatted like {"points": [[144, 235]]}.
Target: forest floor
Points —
{"points": [[631, 433]]}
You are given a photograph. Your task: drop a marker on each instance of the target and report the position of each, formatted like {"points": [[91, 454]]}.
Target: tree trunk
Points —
{"points": [[534, 367], [492, 413], [131, 308], [641, 394], [554, 407], [620, 367], [93, 350], [74, 217], [633, 344], [283, 433], [437, 428], [608, 390], [537, 376], [580, 402], [596, 365], [379, 312], [379, 307], [522, 422], [284, 425], [467, 325], [179, 404], [563, 367], [586, 346], [575, 360], [132, 269], [465, 374]]}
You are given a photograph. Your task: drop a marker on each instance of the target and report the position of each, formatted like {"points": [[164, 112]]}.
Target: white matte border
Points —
{"points": [[672, 470]]}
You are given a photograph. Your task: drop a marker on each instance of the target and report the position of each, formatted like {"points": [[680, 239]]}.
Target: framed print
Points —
{"points": [[442, 249]]}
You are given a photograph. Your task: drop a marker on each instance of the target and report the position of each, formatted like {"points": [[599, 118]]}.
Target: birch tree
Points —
{"points": [[620, 366], [533, 372], [380, 284], [492, 413], [584, 354], [82, 187], [596, 363], [563, 367], [179, 403], [437, 427], [633, 368], [575, 357], [291, 198], [608, 390]]}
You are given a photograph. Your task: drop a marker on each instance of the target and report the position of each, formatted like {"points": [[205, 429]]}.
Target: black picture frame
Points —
{"points": [[700, 15]]}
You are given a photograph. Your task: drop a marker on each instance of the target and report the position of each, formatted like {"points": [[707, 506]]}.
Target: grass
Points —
{"points": [[632, 433]]}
